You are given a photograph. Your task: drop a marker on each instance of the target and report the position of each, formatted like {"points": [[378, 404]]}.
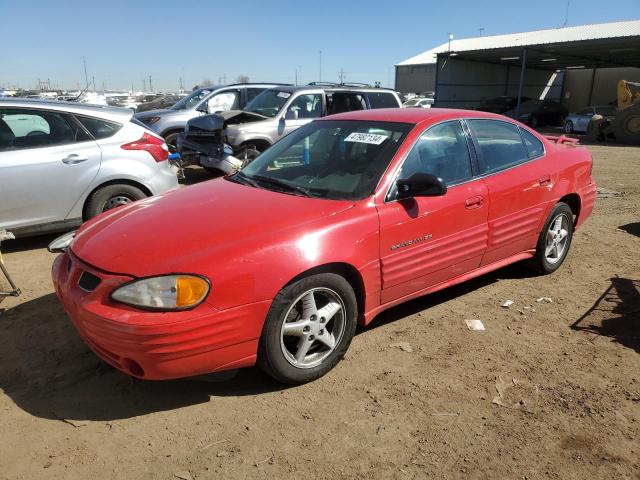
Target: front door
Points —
{"points": [[425, 241], [303, 109], [46, 162]]}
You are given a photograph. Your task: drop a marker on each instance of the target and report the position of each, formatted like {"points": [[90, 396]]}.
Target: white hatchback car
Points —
{"points": [[62, 163]]}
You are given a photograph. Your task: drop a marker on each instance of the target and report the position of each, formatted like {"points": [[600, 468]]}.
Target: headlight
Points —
{"points": [[151, 120], [168, 292], [61, 243]]}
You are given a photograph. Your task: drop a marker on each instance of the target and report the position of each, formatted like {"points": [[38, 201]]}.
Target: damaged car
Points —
{"points": [[270, 116]]}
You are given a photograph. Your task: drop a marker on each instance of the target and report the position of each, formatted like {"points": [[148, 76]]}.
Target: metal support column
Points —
{"points": [[520, 85], [593, 78]]}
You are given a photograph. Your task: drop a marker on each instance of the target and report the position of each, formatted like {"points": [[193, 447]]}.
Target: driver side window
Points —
{"points": [[441, 151], [224, 101], [307, 106]]}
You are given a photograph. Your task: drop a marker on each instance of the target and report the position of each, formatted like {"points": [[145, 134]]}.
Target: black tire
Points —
{"points": [[568, 126], [111, 196], [539, 262], [271, 357]]}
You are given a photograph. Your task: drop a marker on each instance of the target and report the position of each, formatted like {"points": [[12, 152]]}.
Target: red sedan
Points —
{"points": [[341, 219]]}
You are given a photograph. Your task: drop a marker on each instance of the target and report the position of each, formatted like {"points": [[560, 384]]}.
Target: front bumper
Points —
{"points": [[155, 345]]}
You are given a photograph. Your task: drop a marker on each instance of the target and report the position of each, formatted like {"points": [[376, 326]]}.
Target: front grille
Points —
{"points": [[88, 282]]}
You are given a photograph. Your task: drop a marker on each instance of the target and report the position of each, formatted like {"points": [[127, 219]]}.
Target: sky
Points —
{"points": [[125, 42]]}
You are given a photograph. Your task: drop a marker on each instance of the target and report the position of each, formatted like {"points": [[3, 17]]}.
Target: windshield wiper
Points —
{"points": [[279, 183], [240, 177]]}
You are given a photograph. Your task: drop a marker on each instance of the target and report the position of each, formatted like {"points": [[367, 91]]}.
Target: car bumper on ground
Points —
{"points": [[155, 345]]}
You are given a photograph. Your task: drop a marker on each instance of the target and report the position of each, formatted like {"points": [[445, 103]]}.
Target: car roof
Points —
{"points": [[338, 88], [413, 115], [117, 114]]}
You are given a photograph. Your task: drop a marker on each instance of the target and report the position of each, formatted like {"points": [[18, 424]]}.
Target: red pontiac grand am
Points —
{"points": [[341, 219]]}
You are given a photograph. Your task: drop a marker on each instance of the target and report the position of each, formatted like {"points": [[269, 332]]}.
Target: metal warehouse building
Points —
{"points": [[578, 66]]}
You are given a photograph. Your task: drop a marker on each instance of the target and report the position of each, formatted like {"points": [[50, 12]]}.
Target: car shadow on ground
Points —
{"points": [[615, 314], [632, 228], [28, 243], [48, 371], [195, 174]]}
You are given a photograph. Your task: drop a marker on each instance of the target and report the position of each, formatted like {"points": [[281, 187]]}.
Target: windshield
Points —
{"points": [[191, 100], [268, 103], [338, 160]]}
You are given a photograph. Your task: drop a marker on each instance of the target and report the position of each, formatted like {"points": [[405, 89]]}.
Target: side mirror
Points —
{"points": [[291, 115], [420, 185]]}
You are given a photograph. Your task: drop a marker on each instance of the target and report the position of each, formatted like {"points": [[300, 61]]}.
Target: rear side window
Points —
{"points": [[382, 100], [534, 146], [339, 102], [99, 128], [25, 128], [500, 145]]}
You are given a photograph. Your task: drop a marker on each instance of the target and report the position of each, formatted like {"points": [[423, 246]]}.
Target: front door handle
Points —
{"points": [[545, 180], [474, 202], [74, 158]]}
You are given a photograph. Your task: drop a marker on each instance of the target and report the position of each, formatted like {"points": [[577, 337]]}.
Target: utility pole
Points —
{"points": [[341, 75], [320, 76], [86, 77], [296, 82], [144, 85], [450, 38], [93, 80], [481, 29], [150, 84]]}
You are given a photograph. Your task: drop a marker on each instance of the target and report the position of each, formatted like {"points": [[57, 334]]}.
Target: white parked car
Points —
{"points": [[62, 163], [418, 102], [579, 121]]}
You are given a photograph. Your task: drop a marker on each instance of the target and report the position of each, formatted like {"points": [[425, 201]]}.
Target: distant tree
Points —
{"points": [[242, 79], [206, 82]]}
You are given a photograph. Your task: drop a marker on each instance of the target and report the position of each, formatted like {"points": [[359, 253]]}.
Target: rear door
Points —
{"points": [[47, 159], [428, 240], [519, 181]]}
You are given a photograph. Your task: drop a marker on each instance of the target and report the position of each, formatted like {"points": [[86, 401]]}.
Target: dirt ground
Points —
{"points": [[548, 390]]}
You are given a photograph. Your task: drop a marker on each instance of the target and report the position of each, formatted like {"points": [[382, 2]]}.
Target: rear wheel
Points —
{"points": [[308, 328], [555, 240], [112, 196]]}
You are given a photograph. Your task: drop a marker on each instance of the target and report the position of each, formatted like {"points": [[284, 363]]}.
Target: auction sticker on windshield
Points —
{"points": [[371, 138], [284, 94]]}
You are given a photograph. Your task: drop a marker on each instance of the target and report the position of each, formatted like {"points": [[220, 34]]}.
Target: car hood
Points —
{"points": [[179, 230], [238, 117]]}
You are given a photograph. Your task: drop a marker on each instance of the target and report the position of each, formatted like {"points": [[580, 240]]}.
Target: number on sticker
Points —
{"points": [[370, 138]]}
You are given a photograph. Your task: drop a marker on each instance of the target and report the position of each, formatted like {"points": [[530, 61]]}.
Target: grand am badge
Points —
{"points": [[411, 242]]}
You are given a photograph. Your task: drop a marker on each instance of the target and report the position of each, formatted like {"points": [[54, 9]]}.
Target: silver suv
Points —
{"points": [[168, 123], [278, 111], [63, 162]]}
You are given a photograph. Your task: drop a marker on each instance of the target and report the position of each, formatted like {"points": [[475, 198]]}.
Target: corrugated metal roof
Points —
{"points": [[539, 37]]}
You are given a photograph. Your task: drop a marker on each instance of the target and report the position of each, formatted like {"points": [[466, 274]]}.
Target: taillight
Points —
{"points": [[152, 144]]}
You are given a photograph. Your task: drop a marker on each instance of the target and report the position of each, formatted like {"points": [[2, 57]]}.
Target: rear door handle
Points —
{"points": [[474, 202], [545, 180], [73, 158]]}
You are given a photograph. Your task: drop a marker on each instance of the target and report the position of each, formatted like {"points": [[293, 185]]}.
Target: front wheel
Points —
{"points": [[568, 126], [555, 240], [308, 328]]}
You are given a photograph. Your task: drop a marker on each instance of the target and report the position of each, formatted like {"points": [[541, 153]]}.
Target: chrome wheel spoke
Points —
{"points": [[563, 234], [304, 344], [327, 339], [295, 328], [309, 305], [327, 312]]}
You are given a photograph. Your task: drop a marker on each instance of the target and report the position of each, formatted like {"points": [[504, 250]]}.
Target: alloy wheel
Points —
{"points": [[557, 239], [313, 326]]}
